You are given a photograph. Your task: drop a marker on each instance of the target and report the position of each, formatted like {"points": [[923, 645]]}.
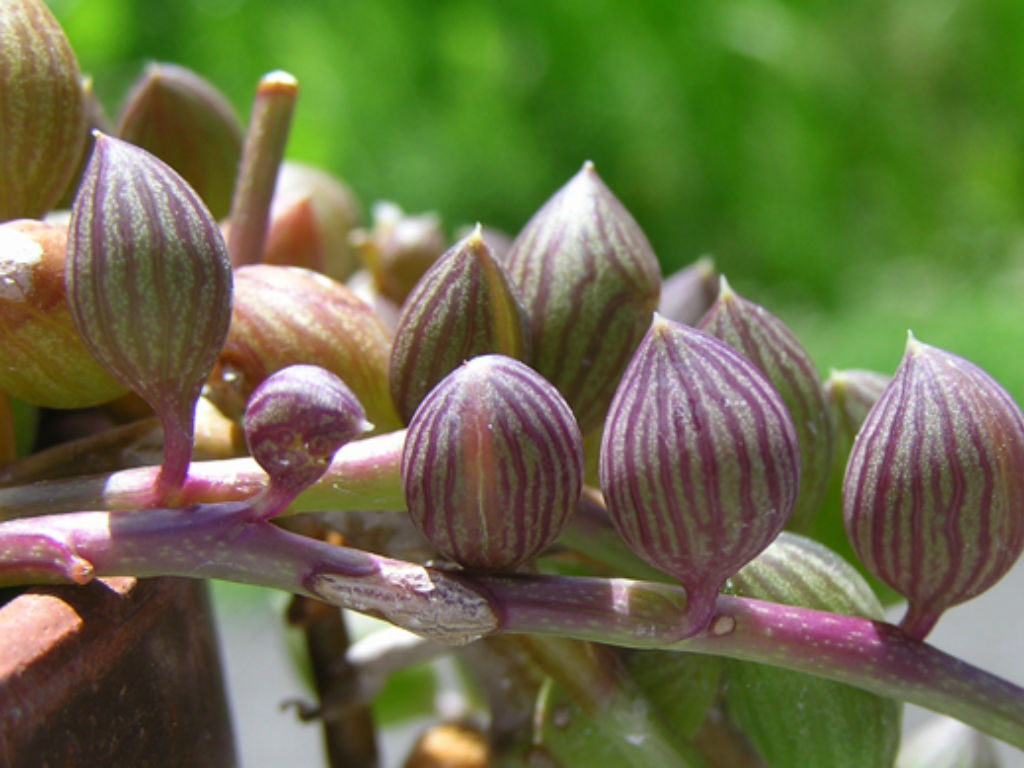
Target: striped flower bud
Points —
{"points": [[793, 719], [311, 217], [148, 285], [463, 307], [399, 248], [181, 118], [42, 112], [932, 501], [288, 315], [687, 294], [493, 464], [589, 281], [38, 340], [765, 340], [294, 423], [699, 461], [851, 395]]}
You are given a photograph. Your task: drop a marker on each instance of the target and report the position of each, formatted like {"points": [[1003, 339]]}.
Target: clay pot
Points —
{"points": [[120, 672]]}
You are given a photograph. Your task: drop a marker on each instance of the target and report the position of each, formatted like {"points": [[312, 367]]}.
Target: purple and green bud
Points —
{"points": [[699, 462], [288, 315], [851, 395], [493, 464], [149, 286], [295, 421], [399, 248], [38, 340], [687, 294], [42, 110], [185, 121], [791, 718], [765, 340], [932, 502], [589, 281], [464, 306], [312, 215]]}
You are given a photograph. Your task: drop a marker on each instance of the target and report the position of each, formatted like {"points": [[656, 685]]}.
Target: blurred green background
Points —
{"points": [[855, 167]]}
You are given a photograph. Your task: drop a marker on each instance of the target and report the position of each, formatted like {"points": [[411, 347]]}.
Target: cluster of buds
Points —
{"points": [[486, 381]]}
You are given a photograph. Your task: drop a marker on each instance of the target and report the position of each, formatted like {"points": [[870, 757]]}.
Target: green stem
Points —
{"points": [[265, 141]]}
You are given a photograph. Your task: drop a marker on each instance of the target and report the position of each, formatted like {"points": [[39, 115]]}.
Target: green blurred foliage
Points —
{"points": [[789, 139]]}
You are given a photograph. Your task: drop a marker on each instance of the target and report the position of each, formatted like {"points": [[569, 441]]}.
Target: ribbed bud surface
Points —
{"points": [[42, 112], [296, 420], [493, 464], [933, 502], [464, 306], [699, 460], [288, 315], [589, 281], [794, 719], [148, 281], [765, 340], [186, 122], [38, 341]]}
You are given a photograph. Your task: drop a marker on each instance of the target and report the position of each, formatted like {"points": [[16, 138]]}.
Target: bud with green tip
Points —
{"points": [[589, 281], [493, 464], [793, 719], [295, 421], [181, 118], [699, 461], [463, 307], [149, 286], [38, 340], [42, 111], [288, 315], [932, 501], [766, 341]]}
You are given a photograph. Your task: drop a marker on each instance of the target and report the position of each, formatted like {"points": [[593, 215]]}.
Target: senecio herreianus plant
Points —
{"points": [[597, 472]]}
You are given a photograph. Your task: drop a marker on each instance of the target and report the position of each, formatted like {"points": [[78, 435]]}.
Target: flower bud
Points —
{"points": [[181, 118], [493, 464], [38, 340], [463, 307], [851, 395], [294, 423], [148, 285], [399, 248], [932, 500], [766, 341], [688, 293], [288, 315], [42, 113], [311, 217], [589, 281], [699, 461], [791, 718]]}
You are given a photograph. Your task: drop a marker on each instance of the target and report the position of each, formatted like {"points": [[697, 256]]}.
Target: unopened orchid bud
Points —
{"points": [[795, 719], [463, 307], [851, 395], [181, 118], [399, 248], [688, 293], [38, 340], [765, 340], [42, 112], [311, 217], [493, 464], [287, 315], [294, 423], [699, 461], [149, 286], [589, 281], [932, 500]]}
